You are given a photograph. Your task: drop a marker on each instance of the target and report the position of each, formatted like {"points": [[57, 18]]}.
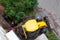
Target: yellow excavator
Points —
{"points": [[32, 25], [33, 28]]}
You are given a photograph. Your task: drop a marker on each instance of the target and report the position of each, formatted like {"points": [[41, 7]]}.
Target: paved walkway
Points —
{"points": [[54, 7]]}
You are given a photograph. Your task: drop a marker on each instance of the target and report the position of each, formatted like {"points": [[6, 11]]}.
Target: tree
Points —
{"points": [[18, 9]]}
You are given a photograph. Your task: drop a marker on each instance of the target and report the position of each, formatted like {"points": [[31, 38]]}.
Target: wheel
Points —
{"points": [[44, 30]]}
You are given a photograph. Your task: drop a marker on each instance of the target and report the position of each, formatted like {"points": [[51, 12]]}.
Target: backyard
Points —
{"points": [[14, 12]]}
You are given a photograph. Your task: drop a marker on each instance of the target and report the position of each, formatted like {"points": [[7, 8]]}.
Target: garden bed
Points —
{"points": [[15, 11]]}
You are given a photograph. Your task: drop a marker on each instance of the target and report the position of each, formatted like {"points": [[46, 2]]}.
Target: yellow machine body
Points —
{"points": [[32, 25]]}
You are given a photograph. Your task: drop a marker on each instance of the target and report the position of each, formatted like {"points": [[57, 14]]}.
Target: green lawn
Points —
{"points": [[51, 36]]}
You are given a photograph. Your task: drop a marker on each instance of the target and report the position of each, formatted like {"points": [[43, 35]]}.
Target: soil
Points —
{"points": [[3, 22]]}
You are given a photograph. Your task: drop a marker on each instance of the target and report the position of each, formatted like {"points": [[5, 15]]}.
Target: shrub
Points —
{"points": [[18, 9]]}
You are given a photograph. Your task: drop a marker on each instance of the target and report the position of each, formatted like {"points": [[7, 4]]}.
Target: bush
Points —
{"points": [[18, 9]]}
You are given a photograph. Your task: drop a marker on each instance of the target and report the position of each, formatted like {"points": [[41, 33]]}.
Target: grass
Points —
{"points": [[51, 36]]}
